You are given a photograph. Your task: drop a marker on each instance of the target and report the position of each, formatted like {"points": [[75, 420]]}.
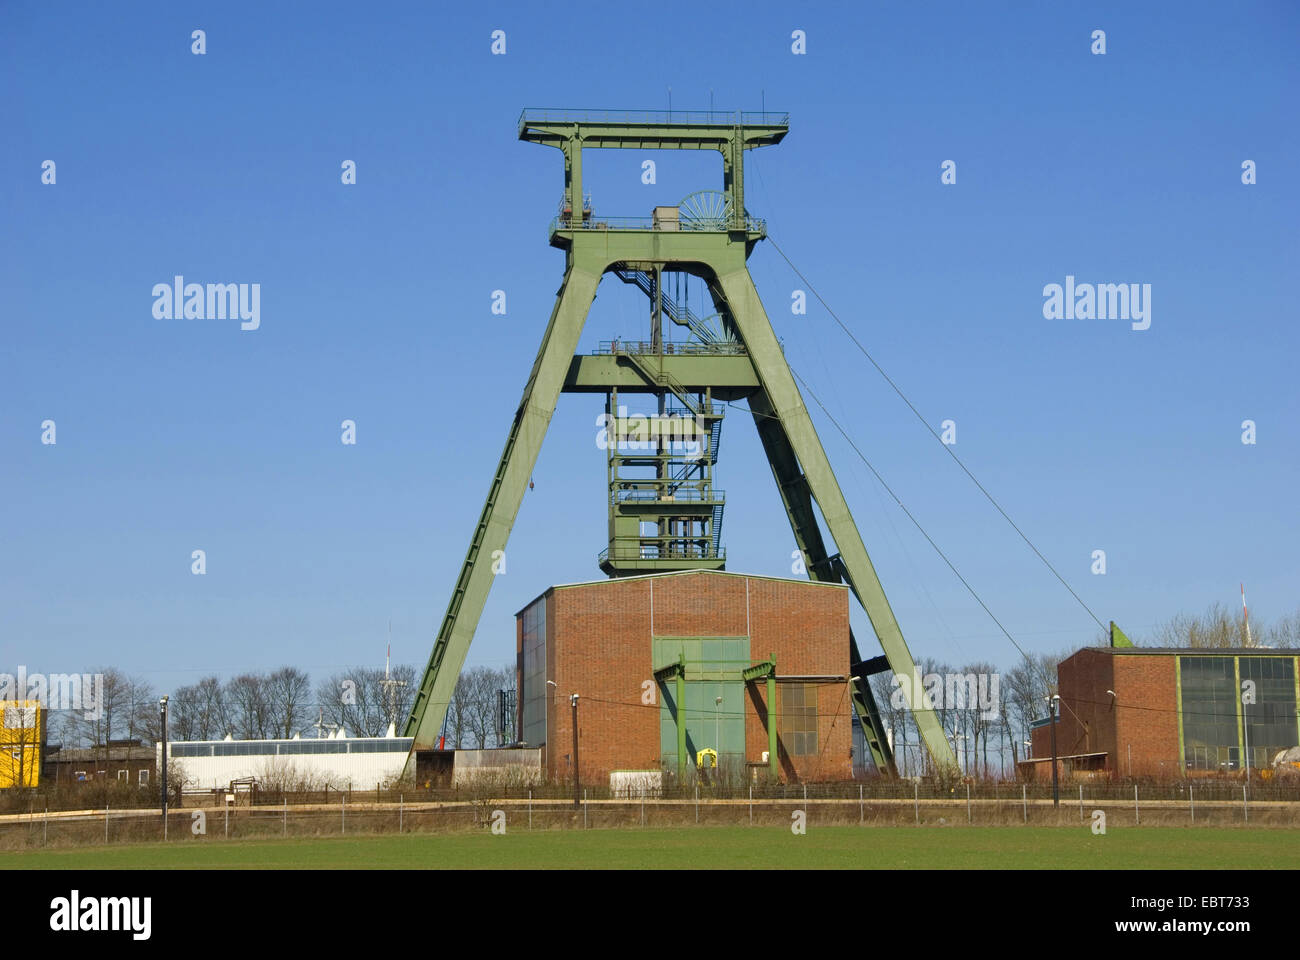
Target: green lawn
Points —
{"points": [[711, 847]]}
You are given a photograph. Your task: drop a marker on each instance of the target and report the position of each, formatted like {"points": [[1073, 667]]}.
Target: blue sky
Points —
{"points": [[176, 435]]}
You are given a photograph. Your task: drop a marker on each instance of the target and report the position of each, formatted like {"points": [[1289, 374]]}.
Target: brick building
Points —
{"points": [[1147, 711], [127, 761], [620, 645]]}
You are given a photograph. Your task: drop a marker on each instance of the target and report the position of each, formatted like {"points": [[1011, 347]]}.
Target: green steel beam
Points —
{"points": [[502, 505], [792, 416], [758, 671], [1178, 694], [664, 674], [681, 719], [773, 766], [797, 498]]}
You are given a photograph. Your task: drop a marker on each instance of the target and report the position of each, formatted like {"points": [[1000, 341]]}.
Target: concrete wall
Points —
{"points": [[513, 767]]}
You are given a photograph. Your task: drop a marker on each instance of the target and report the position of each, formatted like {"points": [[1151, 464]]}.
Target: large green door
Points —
{"points": [[713, 668]]}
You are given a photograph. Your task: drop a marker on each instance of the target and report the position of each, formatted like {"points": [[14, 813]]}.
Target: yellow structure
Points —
{"points": [[22, 737]]}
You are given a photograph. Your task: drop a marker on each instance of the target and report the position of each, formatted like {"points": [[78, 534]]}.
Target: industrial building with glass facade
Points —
{"points": [[721, 645], [1143, 711]]}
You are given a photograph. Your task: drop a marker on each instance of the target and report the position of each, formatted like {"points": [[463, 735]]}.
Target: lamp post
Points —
{"points": [[577, 784], [1054, 703], [162, 715], [577, 777]]}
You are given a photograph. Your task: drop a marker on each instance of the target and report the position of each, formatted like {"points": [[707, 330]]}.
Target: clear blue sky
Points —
{"points": [[176, 435]]}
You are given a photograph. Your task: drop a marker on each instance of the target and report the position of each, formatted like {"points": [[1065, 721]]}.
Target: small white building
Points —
{"points": [[337, 761]]}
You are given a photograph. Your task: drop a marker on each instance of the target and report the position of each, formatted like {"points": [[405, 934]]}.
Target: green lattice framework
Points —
{"points": [[715, 249]]}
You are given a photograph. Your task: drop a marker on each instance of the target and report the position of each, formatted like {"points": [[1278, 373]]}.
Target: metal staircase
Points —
{"points": [[679, 314]]}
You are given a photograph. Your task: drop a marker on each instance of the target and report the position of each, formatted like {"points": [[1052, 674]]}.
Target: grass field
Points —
{"points": [[698, 848]]}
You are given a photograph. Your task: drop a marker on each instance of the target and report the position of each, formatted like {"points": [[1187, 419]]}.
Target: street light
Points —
{"points": [[162, 714], [1054, 708], [577, 780], [577, 777]]}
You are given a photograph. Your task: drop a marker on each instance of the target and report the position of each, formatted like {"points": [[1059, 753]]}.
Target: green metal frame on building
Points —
{"points": [[710, 240]]}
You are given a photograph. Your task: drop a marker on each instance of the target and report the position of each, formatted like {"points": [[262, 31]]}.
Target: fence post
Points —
{"points": [[1245, 808], [1191, 799], [751, 804], [227, 820], [643, 806], [1080, 801], [285, 831], [1137, 814], [584, 808], [697, 803], [530, 808], [47, 824], [343, 812], [401, 809], [106, 821], [916, 799], [861, 814], [968, 814], [1024, 799]]}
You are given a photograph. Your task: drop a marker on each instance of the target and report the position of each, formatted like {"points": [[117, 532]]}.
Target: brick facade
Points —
{"points": [[1138, 728], [599, 643]]}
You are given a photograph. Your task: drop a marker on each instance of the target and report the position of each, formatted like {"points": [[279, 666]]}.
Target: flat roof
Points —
{"points": [[678, 573], [1060, 757], [1197, 651]]}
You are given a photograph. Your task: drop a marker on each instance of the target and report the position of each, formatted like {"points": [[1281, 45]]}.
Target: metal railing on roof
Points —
{"points": [[728, 118], [718, 348], [682, 494], [752, 225], [679, 551]]}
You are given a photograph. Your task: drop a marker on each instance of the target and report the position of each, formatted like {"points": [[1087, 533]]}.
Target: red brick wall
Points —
{"points": [[599, 643], [1146, 715], [1141, 715]]}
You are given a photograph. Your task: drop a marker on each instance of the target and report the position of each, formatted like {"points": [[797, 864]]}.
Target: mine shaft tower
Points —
{"points": [[664, 513]]}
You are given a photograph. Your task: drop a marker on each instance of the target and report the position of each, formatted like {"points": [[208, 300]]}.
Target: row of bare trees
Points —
{"points": [[1220, 627], [127, 710], [986, 736], [362, 701]]}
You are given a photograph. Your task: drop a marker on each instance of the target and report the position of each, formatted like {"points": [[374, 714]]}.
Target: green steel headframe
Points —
{"points": [[713, 244]]}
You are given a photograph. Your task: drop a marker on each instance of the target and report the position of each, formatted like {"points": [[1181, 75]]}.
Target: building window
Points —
{"points": [[144, 778], [122, 775], [1270, 722], [799, 718], [1209, 695], [533, 689]]}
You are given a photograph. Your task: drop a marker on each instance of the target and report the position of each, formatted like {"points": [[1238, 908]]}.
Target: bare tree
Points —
{"points": [[883, 689], [144, 719], [288, 691], [478, 705], [356, 700], [1285, 633], [198, 712], [1216, 629], [978, 721], [246, 697], [109, 720]]}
